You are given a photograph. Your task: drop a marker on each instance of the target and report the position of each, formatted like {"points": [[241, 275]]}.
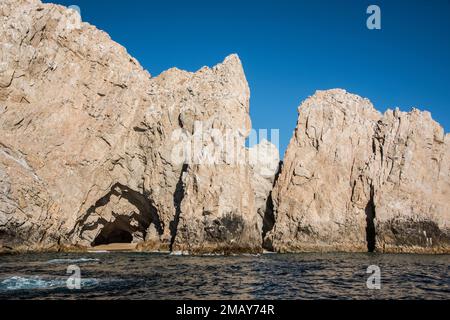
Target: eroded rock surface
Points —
{"points": [[264, 159], [94, 151], [215, 202], [68, 99], [87, 141], [356, 180]]}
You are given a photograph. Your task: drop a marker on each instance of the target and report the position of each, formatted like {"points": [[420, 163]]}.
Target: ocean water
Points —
{"points": [[267, 276]]}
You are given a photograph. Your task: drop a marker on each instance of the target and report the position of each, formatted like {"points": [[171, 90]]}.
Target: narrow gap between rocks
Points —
{"points": [[370, 223], [177, 199], [269, 217]]}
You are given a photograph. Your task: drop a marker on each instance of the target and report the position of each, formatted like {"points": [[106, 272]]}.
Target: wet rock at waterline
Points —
{"points": [[354, 179], [95, 151]]}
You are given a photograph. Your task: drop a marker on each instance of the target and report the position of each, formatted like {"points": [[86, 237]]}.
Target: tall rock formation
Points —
{"points": [[89, 141], [68, 96], [93, 151], [215, 202], [356, 180]]}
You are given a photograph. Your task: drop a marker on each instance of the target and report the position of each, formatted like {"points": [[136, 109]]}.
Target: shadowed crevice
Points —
{"points": [[269, 215], [177, 199], [370, 223], [269, 218]]}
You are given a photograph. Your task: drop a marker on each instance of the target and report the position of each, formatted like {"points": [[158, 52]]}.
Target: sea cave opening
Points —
{"points": [[114, 232], [123, 216]]}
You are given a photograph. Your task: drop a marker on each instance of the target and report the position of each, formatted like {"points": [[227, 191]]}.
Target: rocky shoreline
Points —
{"points": [[96, 151]]}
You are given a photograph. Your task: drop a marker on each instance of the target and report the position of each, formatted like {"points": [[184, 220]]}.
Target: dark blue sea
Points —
{"points": [[267, 276]]}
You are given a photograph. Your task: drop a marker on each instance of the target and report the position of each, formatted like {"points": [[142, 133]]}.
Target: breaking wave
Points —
{"points": [[36, 283], [66, 261]]}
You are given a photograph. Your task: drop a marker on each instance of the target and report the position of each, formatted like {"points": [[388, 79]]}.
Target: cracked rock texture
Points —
{"points": [[354, 179], [94, 150], [67, 105], [87, 140], [264, 159]]}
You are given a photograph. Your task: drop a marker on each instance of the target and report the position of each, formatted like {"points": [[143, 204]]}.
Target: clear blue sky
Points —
{"points": [[292, 48]]}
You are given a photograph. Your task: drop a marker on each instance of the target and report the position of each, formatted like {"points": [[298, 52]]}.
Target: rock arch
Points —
{"points": [[123, 215]]}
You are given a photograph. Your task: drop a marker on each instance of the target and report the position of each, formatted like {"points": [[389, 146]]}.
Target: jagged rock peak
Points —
{"points": [[93, 150], [88, 138], [356, 180]]}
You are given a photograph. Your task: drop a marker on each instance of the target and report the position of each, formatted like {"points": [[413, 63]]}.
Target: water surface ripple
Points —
{"points": [[268, 276]]}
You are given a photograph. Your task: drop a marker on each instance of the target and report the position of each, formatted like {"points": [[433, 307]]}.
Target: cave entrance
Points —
{"points": [[122, 216], [370, 223], [114, 232]]}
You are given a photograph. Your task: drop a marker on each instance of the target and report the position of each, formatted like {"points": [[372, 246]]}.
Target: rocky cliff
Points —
{"points": [[90, 143], [356, 180], [94, 150]]}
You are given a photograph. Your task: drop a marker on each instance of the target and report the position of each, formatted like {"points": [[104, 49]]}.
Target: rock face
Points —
{"points": [[95, 151], [89, 141], [68, 96], [264, 159], [356, 180], [214, 201]]}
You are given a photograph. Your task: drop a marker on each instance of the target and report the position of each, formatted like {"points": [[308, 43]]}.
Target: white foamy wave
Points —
{"points": [[68, 261], [21, 283], [30, 283], [179, 253]]}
